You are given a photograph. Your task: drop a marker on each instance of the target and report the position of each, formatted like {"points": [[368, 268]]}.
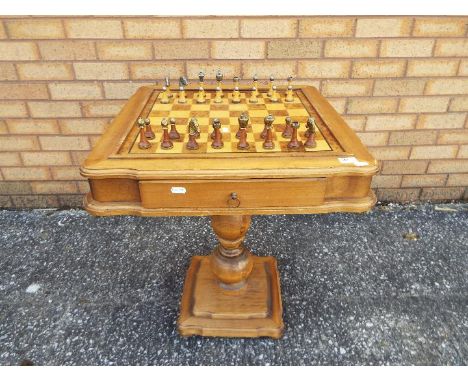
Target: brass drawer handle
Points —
{"points": [[233, 200]]}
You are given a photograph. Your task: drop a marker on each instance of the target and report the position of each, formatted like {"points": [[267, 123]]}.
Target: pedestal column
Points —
{"points": [[231, 292]]}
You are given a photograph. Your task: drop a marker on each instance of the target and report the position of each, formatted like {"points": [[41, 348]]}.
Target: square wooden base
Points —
{"points": [[252, 311]]}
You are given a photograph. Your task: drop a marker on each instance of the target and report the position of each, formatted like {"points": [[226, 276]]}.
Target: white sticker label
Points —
{"points": [[178, 190], [353, 160]]}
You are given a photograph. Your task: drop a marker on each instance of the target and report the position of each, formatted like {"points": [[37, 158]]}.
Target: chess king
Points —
{"points": [[232, 151]]}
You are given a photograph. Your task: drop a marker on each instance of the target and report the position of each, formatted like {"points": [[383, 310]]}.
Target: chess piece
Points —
{"points": [[149, 131], [243, 122], [166, 143], [241, 118], [255, 82], [287, 132], [173, 134], [236, 95], [201, 78], [236, 80], [311, 129], [219, 95], [268, 143], [194, 131], [143, 144], [164, 97], [168, 87], [219, 78], [253, 96], [182, 98], [294, 143], [274, 94], [270, 89], [310, 126], [289, 94], [201, 98], [218, 137]]}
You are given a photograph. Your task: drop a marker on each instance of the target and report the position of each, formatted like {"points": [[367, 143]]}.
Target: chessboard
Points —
{"points": [[300, 109]]}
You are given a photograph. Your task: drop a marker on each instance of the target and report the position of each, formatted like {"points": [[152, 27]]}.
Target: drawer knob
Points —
{"points": [[233, 200]]}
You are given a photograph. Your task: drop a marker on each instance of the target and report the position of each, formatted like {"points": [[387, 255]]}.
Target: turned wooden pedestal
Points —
{"points": [[231, 292]]}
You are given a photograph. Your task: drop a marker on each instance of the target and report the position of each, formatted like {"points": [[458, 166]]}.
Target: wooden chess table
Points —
{"points": [[231, 292]]}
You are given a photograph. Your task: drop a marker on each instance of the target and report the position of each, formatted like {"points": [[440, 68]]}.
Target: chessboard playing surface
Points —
{"points": [[228, 112]]}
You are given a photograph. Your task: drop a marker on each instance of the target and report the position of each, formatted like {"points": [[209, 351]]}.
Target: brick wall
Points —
{"points": [[400, 82]]}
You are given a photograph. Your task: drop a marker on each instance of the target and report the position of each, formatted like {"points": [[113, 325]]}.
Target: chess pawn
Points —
{"points": [[243, 122], [255, 82], [201, 78], [173, 134], [164, 97], [166, 143], [236, 80], [268, 144], [201, 95], [294, 143], [236, 95], [182, 98], [219, 95], [143, 144], [270, 89], [218, 138], [274, 94], [219, 78], [253, 96], [310, 134], [193, 130], [289, 94], [287, 132], [149, 131], [168, 87]]}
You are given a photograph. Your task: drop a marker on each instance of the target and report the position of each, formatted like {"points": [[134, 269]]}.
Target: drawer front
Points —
{"points": [[233, 194]]}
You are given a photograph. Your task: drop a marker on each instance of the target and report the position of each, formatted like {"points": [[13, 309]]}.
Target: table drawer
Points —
{"points": [[255, 193]]}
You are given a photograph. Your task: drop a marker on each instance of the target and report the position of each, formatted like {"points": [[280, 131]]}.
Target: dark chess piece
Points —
{"points": [[264, 131], [243, 122], [166, 143], [310, 133], [287, 132], [268, 143], [218, 137], [194, 132], [173, 134], [149, 131], [294, 143], [143, 144]]}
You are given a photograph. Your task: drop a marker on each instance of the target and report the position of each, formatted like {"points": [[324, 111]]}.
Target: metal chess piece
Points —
{"points": [[294, 143], [143, 144], [149, 131], [173, 134], [218, 137], [166, 143], [219, 78], [310, 133], [194, 131], [243, 122], [268, 144]]}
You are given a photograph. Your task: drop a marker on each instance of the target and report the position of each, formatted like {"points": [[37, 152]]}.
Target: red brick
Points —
{"points": [[423, 180], [18, 143], [26, 173], [61, 143], [46, 158], [32, 126], [448, 166]]}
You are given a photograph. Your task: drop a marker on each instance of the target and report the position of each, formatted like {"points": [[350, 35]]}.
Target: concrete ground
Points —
{"points": [[80, 290]]}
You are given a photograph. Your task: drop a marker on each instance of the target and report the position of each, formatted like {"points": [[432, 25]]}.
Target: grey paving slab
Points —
{"points": [[81, 290]]}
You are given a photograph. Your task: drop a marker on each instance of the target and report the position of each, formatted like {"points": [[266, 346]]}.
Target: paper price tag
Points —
{"points": [[353, 160], [178, 190]]}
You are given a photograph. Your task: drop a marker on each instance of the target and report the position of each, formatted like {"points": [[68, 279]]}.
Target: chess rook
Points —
{"points": [[243, 122]]}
